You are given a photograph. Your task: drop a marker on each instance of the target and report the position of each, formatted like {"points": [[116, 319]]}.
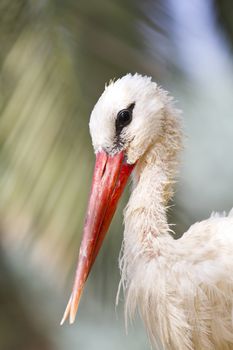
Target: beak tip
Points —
{"points": [[72, 319], [67, 312], [72, 308], [63, 319]]}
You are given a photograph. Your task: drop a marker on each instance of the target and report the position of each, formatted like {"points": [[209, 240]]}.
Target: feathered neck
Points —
{"points": [[153, 180], [145, 215]]}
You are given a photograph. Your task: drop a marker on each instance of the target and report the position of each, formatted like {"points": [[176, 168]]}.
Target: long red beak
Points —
{"points": [[109, 180]]}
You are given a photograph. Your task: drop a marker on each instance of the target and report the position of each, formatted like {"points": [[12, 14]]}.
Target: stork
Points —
{"points": [[182, 289]]}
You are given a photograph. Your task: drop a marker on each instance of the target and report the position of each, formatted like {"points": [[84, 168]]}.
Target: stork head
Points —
{"points": [[127, 117], [124, 122]]}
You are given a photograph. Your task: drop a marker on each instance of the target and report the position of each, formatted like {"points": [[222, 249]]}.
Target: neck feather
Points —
{"points": [[146, 234], [145, 215]]}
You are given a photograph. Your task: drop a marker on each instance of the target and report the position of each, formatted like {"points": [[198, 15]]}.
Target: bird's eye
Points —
{"points": [[124, 117]]}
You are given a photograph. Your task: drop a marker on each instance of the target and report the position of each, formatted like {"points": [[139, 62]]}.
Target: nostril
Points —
{"points": [[104, 169]]}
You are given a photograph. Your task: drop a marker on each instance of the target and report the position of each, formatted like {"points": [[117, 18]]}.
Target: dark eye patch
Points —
{"points": [[124, 118]]}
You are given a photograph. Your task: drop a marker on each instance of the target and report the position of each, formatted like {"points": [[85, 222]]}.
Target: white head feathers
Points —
{"points": [[148, 102]]}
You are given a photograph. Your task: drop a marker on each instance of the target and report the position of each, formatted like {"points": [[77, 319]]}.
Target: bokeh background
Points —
{"points": [[55, 57]]}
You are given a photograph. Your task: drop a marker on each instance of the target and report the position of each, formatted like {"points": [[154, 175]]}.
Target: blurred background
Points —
{"points": [[55, 58]]}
